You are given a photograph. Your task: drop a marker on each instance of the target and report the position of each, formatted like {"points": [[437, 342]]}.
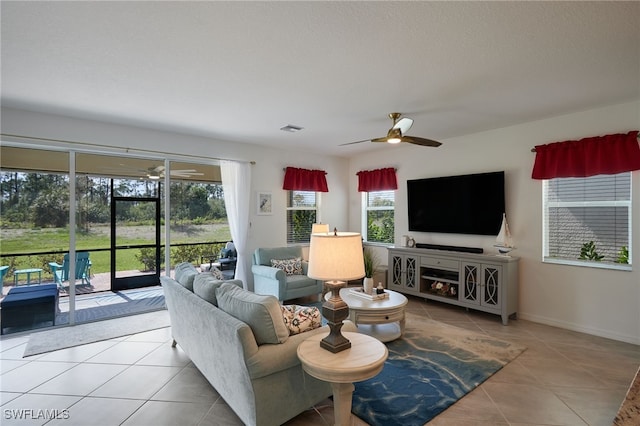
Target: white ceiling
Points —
{"points": [[239, 71]]}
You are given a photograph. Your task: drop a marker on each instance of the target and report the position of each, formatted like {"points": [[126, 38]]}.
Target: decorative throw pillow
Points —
{"points": [[299, 319], [289, 266], [260, 312], [217, 273]]}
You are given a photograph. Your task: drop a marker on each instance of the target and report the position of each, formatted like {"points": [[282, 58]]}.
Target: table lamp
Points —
{"points": [[335, 257], [320, 228]]}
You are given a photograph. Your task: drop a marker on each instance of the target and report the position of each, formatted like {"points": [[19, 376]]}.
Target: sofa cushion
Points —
{"points": [[289, 266], [261, 313], [205, 285], [185, 273], [300, 281], [299, 319]]}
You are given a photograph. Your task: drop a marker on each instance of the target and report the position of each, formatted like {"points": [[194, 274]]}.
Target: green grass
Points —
{"points": [[50, 239], [20, 241]]}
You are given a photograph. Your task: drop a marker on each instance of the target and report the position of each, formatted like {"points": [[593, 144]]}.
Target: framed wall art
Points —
{"points": [[265, 203]]}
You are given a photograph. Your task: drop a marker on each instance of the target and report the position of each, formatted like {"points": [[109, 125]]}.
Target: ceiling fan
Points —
{"points": [[157, 172], [397, 133], [153, 172]]}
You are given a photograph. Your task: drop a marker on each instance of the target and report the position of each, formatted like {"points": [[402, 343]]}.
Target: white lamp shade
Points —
{"points": [[319, 228], [336, 257]]}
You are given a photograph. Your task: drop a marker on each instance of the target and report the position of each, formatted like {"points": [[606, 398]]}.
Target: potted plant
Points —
{"points": [[588, 252], [370, 266]]}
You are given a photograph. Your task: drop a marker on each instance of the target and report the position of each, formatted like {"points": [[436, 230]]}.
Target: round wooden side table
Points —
{"points": [[362, 361]]}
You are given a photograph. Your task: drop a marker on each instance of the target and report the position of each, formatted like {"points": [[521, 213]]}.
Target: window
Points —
{"points": [[302, 212], [587, 221], [378, 215]]}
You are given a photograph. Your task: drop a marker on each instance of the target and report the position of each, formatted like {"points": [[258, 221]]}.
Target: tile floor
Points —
{"points": [[563, 378]]}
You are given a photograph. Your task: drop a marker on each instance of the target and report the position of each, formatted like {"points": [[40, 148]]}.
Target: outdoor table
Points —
{"points": [[28, 273]]}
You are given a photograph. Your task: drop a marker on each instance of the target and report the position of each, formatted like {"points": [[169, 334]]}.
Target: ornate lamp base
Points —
{"points": [[335, 310]]}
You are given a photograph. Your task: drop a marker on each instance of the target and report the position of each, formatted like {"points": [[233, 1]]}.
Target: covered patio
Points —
{"points": [[94, 302]]}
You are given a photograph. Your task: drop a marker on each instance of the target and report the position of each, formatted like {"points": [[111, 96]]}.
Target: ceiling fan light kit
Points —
{"points": [[394, 136], [396, 133]]}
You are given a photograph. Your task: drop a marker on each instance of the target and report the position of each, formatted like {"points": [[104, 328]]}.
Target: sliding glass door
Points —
{"points": [[107, 210]]}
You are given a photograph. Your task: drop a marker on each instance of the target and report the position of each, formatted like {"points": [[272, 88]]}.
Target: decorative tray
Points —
{"points": [[359, 291]]}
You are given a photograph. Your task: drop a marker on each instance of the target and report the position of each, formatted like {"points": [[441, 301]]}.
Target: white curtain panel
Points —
{"points": [[236, 183]]}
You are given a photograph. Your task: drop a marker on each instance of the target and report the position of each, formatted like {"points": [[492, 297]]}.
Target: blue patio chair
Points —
{"points": [[83, 269], [3, 272]]}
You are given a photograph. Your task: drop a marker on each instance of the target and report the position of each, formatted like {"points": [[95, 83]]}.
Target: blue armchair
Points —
{"points": [[270, 280]]}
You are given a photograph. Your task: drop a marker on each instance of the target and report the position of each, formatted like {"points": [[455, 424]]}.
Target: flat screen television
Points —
{"points": [[467, 204]]}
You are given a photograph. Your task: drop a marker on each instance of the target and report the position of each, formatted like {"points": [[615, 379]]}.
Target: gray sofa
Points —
{"points": [[270, 280], [263, 383]]}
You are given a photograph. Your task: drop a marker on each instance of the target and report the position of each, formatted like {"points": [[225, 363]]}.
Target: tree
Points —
{"points": [[301, 223], [51, 208], [197, 202], [380, 226], [217, 208], [178, 194], [380, 223], [13, 210]]}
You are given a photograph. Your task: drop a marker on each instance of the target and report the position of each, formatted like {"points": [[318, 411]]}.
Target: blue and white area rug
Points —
{"points": [[431, 367]]}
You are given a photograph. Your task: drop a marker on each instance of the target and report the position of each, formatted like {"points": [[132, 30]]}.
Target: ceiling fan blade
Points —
{"points": [[188, 174], [353, 143], [404, 124], [120, 169], [421, 141]]}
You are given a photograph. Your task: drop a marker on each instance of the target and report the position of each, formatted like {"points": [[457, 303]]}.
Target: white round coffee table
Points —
{"points": [[383, 319]]}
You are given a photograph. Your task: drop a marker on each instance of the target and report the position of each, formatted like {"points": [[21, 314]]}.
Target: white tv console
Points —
{"points": [[485, 282]]}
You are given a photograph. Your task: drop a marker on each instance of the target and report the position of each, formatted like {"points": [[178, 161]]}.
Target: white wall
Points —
{"points": [[596, 301]]}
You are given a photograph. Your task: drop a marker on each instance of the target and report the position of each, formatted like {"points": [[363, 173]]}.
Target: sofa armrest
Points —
{"points": [[270, 359]]}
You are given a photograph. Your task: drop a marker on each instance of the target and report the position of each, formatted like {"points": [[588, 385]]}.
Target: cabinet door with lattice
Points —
{"points": [[471, 283], [491, 286]]}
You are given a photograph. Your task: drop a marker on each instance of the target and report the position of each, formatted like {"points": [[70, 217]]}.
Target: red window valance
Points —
{"points": [[598, 155], [305, 180], [377, 180]]}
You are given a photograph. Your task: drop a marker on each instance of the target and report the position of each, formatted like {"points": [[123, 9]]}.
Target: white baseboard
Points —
{"points": [[576, 327]]}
